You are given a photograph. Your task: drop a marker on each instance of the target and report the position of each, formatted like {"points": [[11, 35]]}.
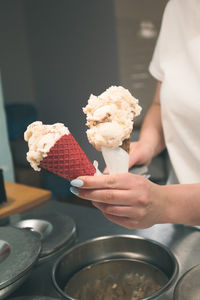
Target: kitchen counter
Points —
{"points": [[183, 241]]}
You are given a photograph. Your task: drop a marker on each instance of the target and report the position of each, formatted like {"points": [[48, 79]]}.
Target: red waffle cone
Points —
{"points": [[67, 159]]}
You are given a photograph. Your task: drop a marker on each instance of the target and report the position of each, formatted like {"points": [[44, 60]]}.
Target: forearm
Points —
{"points": [[151, 132], [182, 204]]}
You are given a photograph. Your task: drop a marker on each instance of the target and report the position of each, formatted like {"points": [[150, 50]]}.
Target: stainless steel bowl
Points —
{"points": [[88, 256], [33, 298], [188, 286]]}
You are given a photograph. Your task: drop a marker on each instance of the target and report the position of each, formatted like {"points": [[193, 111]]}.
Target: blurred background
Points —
{"points": [[54, 54]]}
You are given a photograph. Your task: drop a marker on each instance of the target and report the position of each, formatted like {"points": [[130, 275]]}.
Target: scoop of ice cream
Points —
{"points": [[110, 117], [40, 139]]}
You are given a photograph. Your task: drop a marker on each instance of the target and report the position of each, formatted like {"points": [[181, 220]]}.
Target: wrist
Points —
{"points": [[161, 205], [181, 204], [167, 205]]}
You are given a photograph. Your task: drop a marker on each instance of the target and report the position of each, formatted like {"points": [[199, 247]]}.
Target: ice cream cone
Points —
{"points": [[116, 159], [67, 159], [110, 118]]}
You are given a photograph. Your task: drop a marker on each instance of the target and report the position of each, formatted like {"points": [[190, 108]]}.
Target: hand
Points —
{"points": [[125, 199], [140, 154]]}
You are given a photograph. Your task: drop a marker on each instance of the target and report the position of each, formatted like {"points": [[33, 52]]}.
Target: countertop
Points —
{"points": [[183, 241], [21, 197]]}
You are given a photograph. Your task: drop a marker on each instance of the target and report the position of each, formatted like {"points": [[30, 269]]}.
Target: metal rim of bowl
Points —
{"points": [[6, 291], [181, 281], [33, 298], [156, 294], [28, 262]]}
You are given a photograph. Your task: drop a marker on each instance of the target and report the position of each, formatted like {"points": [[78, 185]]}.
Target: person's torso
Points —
{"points": [[180, 91]]}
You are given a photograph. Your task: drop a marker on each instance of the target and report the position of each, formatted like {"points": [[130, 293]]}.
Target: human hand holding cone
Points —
{"points": [[53, 148]]}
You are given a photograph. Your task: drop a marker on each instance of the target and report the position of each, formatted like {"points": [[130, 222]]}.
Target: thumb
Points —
{"points": [[105, 171], [132, 159]]}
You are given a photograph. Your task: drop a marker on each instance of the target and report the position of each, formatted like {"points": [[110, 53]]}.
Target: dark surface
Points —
{"points": [[183, 241]]}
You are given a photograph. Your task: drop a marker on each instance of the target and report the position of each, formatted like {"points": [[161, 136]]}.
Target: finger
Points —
{"points": [[134, 159], [132, 156], [114, 181], [123, 221], [105, 171], [100, 206], [120, 211], [117, 197]]}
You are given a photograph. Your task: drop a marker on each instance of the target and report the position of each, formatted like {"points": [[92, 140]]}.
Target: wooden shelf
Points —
{"points": [[21, 198]]}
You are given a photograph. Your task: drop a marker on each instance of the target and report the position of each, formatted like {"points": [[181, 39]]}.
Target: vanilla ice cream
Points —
{"points": [[110, 117], [41, 138]]}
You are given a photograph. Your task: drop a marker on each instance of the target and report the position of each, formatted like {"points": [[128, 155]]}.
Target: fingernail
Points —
{"points": [[74, 190], [77, 182]]}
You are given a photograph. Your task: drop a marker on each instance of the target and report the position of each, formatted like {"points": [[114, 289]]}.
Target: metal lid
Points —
{"points": [[188, 286], [54, 230], [19, 251]]}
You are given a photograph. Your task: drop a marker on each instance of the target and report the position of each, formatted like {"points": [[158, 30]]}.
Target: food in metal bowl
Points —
{"points": [[116, 279]]}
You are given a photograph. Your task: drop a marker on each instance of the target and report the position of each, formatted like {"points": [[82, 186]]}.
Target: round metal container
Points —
{"points": [[55, 231], [188, 286], [19, 251], [33, 298], [132, 257]]}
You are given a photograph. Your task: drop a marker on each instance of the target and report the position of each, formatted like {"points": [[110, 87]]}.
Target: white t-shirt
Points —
{"points": [[176, 63]]}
